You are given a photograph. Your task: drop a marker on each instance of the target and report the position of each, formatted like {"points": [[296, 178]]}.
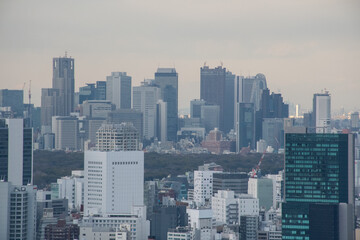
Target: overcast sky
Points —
{"points": [[302, 46]]}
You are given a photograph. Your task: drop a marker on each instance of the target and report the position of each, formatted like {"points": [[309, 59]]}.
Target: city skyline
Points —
{"points": [[301, 47]]}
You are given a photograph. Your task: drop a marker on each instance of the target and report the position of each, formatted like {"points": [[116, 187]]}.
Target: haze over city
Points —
{"points": [[300, 46]]}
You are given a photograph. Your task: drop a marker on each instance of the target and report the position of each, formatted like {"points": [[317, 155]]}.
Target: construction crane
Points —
{"points": [[257, 168]]}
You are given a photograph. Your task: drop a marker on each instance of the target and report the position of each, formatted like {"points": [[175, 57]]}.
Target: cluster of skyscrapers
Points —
{"points": [[315, 196]]}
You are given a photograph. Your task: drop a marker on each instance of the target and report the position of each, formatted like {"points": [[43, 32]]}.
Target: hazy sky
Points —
{"points": [[302, 46]]}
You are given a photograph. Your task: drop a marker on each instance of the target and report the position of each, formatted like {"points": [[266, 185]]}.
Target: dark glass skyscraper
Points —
{"points": [[13, 99], [63, 79], [212, 89], [319, 186], [229, 102], [167, 80], [271, 106], [16, 153], [245, 126], [100, 92], [87, 92]]}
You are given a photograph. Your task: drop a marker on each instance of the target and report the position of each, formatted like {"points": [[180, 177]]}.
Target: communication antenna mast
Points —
{"points": [[29, 107]]}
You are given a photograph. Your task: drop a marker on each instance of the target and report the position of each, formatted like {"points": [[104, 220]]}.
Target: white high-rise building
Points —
{"points": [[72, 188], [201, 221], [277, 186], [228, 207], [118, 90], [145, 98], [114, 182], [322, 112], [17, 194], [263, 189], [203, 187], [17, 211], [114, 172]]}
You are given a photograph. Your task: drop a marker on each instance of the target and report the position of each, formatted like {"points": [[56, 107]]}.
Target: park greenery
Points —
{"points": [[51, 165]]}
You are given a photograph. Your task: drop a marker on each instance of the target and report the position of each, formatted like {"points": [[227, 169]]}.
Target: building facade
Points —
{"points": [[322, 112], [66, 130], [212, 89], [17, 211], [114, 172], [145, 98], [13, 99], [167, 80], [118, 90], [245, 126], [16, 162], [319, 186], [64, 81]]}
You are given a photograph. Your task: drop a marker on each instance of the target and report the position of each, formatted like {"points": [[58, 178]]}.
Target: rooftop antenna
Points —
{"points": [[221, 63], [204, 64], [29, 107]]}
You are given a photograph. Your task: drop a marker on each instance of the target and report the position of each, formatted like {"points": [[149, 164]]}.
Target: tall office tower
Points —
{"points": [[100, 91], [229, 102], [17, 195], [273, 132], [354, 121], [195, 108], [50, 100], [120, 164], [16, 161], [322, 112], [167, 80], [63, 79], [212, 89], [145, 98], [161, 120], [17, 211], [319, 186], [13, 99], [237, 96], [271, 106], [252, 88], [87, 92], [245, 126], [66, 130], [262, 189], [127, 115], [210, 117], [118, 90]]}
